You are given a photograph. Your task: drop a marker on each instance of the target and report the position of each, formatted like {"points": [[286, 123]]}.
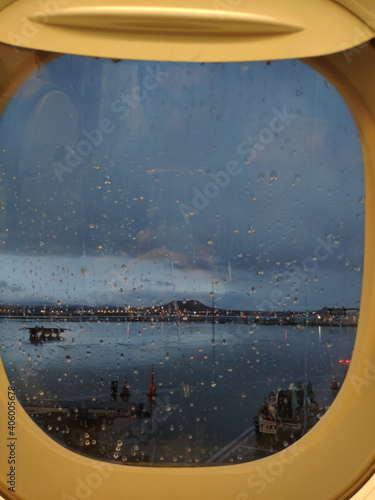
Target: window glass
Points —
{"points": [[181, 260]]}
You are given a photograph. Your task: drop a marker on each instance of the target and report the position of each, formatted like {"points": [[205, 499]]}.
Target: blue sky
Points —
{"points": [[142, 182]]}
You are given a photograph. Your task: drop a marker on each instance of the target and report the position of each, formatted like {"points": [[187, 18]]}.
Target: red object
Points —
{"points": [[345, 363], [152, 387]]}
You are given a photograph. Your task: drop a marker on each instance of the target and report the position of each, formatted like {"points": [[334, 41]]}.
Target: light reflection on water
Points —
{"points": [[210, 379]]}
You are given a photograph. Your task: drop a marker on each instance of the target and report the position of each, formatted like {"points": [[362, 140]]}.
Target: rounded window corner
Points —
{"points": [[332, 461]]}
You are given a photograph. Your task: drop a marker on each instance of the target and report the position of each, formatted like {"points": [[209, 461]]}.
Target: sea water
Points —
{"points": [[210, 378]]}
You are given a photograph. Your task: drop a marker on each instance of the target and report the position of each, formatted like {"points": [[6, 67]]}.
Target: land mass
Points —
{"points": [[179, 310]]}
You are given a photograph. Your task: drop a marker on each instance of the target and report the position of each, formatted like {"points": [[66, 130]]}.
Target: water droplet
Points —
{"points": [[273, 176], [209, 242], [261, 178], [327, 84]]}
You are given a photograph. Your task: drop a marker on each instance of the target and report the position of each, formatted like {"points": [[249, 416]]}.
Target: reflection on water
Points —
{"points": [[94, 391]]}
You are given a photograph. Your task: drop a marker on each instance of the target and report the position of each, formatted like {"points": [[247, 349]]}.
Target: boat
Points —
{"points": [[288, 412], [39, 334]]}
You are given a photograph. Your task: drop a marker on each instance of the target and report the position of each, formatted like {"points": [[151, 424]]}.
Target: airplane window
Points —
{"points": [[182, 248]]}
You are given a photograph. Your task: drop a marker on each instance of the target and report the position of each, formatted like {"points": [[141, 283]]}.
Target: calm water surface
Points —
{"points": [[210, 379]]}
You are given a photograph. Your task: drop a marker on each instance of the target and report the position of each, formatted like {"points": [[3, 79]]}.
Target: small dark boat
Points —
{"points": [[39, 334]]}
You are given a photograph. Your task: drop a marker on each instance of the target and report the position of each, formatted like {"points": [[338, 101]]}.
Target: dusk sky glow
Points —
{"points": [[140, 182]]}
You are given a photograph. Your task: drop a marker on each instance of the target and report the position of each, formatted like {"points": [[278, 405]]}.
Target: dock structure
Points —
{"points": [[130, 411], [39, 334]]}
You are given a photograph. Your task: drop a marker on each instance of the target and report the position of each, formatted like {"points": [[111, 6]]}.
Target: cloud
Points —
{"points": [[6, 287]]}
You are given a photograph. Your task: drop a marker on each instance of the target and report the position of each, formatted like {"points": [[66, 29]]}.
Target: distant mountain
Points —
{"points": [[186, 305]]}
